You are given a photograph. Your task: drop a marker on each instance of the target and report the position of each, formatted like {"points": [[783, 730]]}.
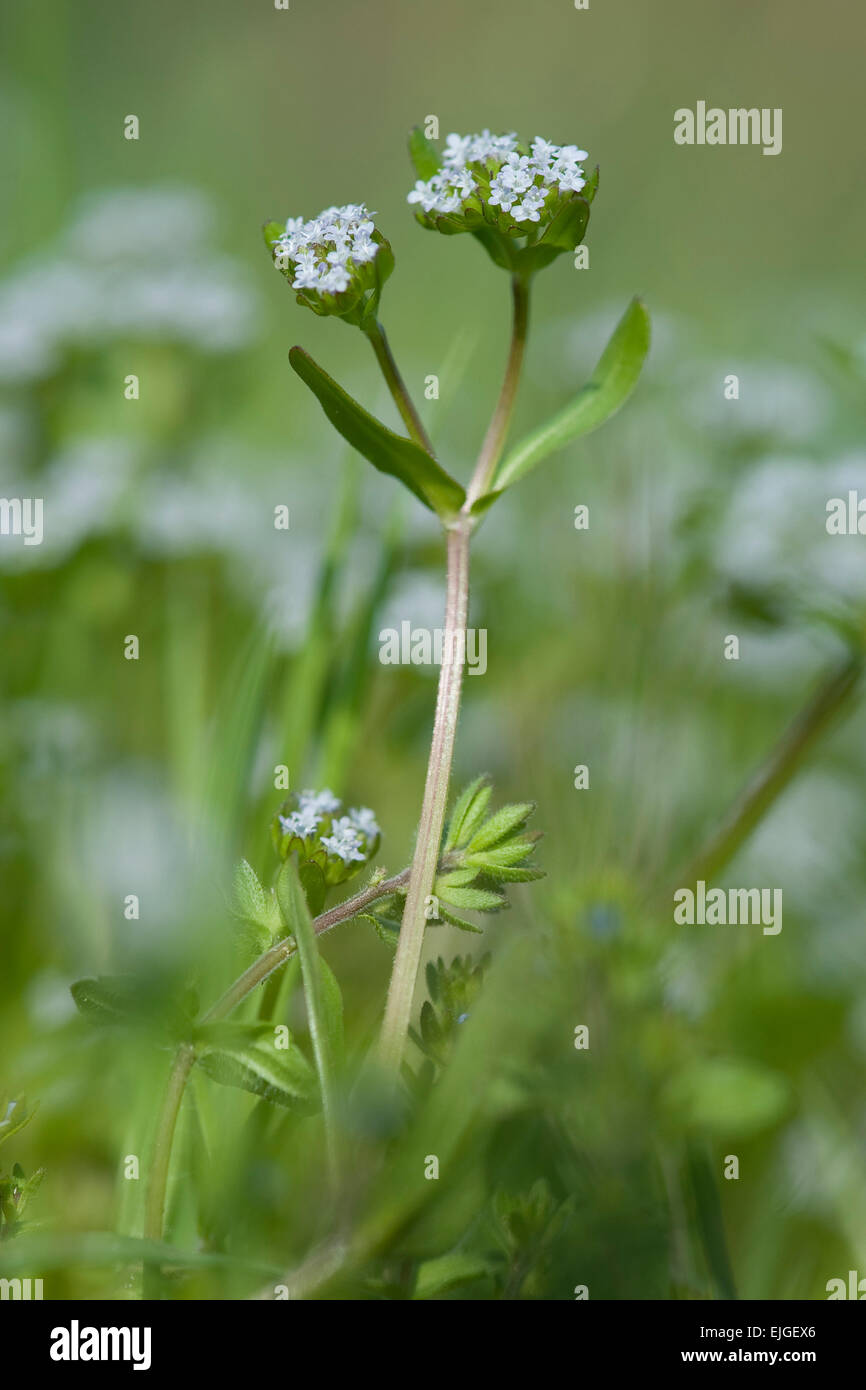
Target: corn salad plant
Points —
{"points": [[458, 1079]]}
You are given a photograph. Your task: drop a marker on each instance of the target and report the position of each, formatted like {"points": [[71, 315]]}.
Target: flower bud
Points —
{"points": [[315, 826], [337, 263], [526, 203]]}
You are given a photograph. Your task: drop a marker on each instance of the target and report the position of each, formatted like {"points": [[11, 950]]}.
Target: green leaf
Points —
{"points": [[272, 231], [506, 854], [505, 822], [108, 1000], [14, 1115], [611, 384], [387, 451], [565, 232], [296, 916], [314, 886], [473, 899], [332, 1011], [708, 1209], [255, 908], [247, 1056], [423, 154], [388, 932], [447, 1272], [468, 812], [48, 1252], [727, 1097], [499, 247], [506, 873], [455, 878], [431, 1031], [460, 922]]}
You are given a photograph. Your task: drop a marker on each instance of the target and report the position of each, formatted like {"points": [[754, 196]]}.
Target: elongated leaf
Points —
{"points": [[473, 899], [468, 812], [47, 1252], [254, 908], [454, 921], [508, 853], [423, 154], [247, 1056], [448, 1272], [296, 916], [332, 1011], [506, 873], [387, 451], [455, 878], [505, 822], [609, 387]]}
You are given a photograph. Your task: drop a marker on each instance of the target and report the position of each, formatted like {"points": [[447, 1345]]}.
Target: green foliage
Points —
{"points": [[609, 387], [15, 1113], [260, 1059], [387, 451], [16, 1189], [255, 909], [453, 990]]}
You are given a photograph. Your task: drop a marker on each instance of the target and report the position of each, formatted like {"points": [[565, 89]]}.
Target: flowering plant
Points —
{"points": [[527, 203]]}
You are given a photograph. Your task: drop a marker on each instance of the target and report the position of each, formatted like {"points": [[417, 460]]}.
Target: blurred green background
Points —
{"points": [[258, 647]]}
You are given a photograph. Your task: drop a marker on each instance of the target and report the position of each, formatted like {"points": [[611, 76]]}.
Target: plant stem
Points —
{"points": [[158, 1176], [398, 1009], [397, 386], [772, 778], [494, 440], [297, 917], [185, 1056]]}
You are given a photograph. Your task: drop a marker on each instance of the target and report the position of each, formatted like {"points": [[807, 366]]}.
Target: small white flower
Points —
{"points": [[365, 821], [427, 194], [335, 281], [304, 822], [543, 152], [363, 251], [344, 842], [324, 801], [572, 181], [519, 184], [456, 150]]}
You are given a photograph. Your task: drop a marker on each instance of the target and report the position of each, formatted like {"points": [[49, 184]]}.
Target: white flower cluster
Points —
{"points": [[350, 836], [102, 282], [324, 253], [493, 169]]}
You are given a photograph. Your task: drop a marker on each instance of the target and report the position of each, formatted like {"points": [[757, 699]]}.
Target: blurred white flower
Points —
{"points": [[775, 399], [774, 530], [135, 264]]}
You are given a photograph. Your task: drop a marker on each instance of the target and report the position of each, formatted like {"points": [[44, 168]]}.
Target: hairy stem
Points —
{"points": [[397, 386], [398, 1009], [494, 440], [185, 1056], [775, 774]]}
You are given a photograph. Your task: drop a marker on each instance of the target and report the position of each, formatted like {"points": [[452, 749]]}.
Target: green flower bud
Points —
{"points": [[315, 826]]}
